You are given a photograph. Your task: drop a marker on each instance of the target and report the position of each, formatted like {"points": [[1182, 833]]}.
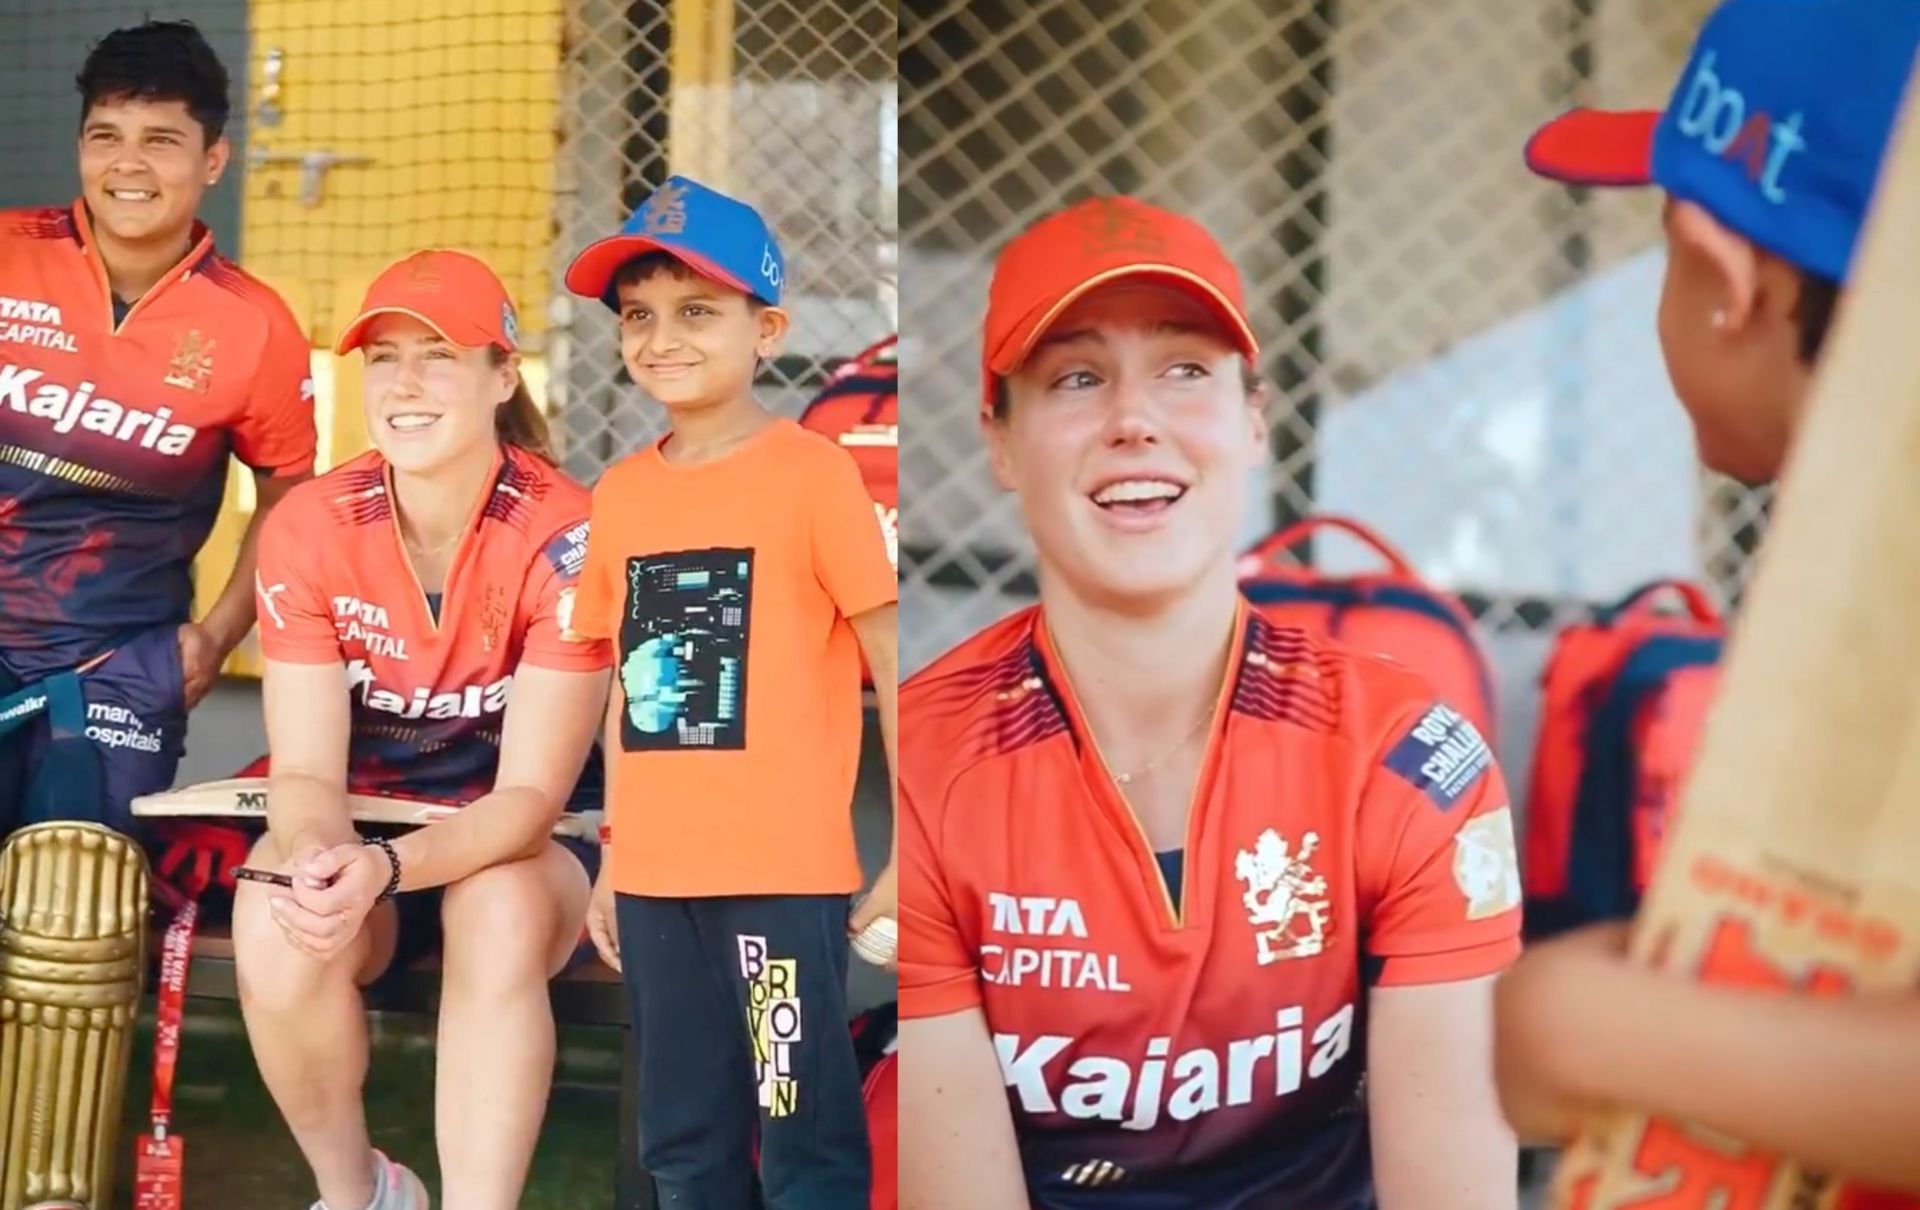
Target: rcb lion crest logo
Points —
{"points": [[192, 366], [1286, 899], [1109, 225], [665, 212], [494, 616], [423, 273]]}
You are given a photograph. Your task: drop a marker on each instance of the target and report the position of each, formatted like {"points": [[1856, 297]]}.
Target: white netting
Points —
{"points": [[1462, 355]]}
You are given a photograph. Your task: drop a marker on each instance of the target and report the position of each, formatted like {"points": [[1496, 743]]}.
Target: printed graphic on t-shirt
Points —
{"points": [[683, 650]]}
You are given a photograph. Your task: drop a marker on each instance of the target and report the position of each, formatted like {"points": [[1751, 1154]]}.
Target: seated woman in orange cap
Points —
{"points": [[1196, 909], [413, 606]]}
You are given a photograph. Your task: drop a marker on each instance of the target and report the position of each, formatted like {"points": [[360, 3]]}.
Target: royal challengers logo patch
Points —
{"points": [[1442, 757]]}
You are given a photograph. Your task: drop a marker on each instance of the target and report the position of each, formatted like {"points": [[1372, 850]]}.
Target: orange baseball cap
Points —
{"points": [[1061, 257], [453, 293]]}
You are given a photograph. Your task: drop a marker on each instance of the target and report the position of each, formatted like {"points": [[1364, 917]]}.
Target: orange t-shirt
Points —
{"points": [[726, 587]]}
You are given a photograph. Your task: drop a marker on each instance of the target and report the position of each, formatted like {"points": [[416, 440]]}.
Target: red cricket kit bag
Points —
{"points": [[1392, 612], [876, 1034], [860, 409], [1624, 699], [883, 1130]]}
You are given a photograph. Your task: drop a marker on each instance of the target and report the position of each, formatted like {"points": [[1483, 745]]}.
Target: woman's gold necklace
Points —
{"points": [[424, 552], [1123, 779]]}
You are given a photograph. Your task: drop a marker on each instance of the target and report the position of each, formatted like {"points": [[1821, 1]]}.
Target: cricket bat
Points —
{"points": [[1792, 863], [246, 798]]}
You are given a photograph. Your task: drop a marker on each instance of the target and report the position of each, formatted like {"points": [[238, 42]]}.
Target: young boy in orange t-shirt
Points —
{"points": [[1760, 251], [740, 571]]}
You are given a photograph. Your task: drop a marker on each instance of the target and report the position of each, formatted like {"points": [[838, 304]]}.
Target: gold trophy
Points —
{"points": [[73, 939]]}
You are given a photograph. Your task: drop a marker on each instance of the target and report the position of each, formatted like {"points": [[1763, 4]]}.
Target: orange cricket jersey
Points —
{"points": [[1348, 832], [726, 587], [428, 697], [115, 437]]}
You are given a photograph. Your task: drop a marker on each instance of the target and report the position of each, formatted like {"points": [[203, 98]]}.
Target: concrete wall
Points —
{"points": [[46, 41]]}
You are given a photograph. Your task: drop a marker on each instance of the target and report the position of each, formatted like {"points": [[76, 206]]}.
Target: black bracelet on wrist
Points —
{"points": [[393, 860]]}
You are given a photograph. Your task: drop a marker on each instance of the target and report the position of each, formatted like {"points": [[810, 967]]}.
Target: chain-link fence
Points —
{"points": [[789, 104], [1461, 355]]}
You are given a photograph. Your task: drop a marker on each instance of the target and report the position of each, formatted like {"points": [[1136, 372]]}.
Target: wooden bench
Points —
{"points": [[589, 995]]}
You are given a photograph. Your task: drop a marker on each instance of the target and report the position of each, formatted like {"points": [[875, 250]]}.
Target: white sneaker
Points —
{"points": [[401, 1189], [395, 1187]]}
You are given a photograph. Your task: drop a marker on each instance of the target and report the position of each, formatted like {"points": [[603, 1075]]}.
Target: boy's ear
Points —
{"points": [[218, 155], [1730, 264], [773, 329]]}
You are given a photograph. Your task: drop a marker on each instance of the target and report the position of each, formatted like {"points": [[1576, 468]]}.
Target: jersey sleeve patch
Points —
{"points": [[1442, 757], [1486, 864], [567, 552]]}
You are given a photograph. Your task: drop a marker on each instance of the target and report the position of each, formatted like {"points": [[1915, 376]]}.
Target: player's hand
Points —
{"points": [[304, 853], [882, 900], [601, 925], [200, 659], [333, 890], [1538, 1006], [303, 856]]}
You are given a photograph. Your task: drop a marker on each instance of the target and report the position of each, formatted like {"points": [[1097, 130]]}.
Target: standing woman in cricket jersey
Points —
{"points": [[414, 612], [1176, 878], [1760, 248], [162, 361]]}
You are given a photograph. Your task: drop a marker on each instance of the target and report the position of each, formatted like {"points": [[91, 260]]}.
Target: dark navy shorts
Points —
{"points": [[130, 741]]}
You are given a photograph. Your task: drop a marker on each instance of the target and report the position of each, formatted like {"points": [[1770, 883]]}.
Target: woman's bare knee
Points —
{"points": [[500, 925], [273, 973]]}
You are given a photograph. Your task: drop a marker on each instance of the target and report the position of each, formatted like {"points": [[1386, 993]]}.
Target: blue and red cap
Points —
{"points": [[718, 237], [1777, 127]]}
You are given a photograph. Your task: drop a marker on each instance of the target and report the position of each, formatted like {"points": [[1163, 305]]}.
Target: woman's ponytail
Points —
{"points": [[519, 421]]}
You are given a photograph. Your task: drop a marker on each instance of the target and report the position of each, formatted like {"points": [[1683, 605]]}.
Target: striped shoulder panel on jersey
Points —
{"points": [[357, 495], [1027, 709], [1287, 677], [996, 705], [222, 272], [258, 296], [517, 491], [40, 222]]}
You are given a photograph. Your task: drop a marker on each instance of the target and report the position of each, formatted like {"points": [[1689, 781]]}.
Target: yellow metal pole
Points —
{"points": [[700, 117]]}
